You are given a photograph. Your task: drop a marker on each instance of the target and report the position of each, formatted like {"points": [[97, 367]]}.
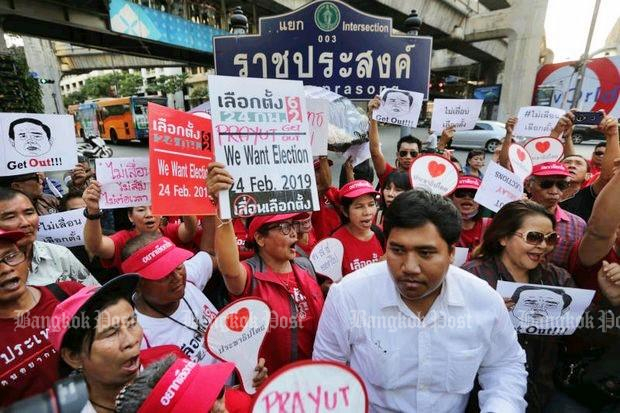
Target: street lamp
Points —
{"points": [[413, 23], [238, 21]]}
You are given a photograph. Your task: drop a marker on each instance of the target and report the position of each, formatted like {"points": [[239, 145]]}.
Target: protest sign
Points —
{"points": [[180, 149], [33, 142], [520, 160], [312, 386], [544, 149], [399, 107], [63, 228], [499, 186], [236, 334], [358, 153], [318, 122], [125, 182], [260, 131], [545, 309], [536, 121], [460, 256], [460, 113], [434, 173], [326, 257]]}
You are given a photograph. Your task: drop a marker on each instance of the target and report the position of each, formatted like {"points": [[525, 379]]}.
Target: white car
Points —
{"points": [[487, 135]]}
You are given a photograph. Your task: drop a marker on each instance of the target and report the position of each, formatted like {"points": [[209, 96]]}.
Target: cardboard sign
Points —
{"points": [[460, 113], [312, 386], [545, 309], [180, 149], [399, 107], [544, 149], [237, 333], [434, 173], [499, 186], [63, 228], [536, 121], [318, 122], [125, 182], [520, 160], [460, 256], [358, 153], [260, 129], [32, 142], [326, 256]]}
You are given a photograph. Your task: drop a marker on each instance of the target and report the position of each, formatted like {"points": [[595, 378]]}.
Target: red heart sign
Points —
{"points": [[436, 169], [237, 321], [542, 147], [521, 154]]}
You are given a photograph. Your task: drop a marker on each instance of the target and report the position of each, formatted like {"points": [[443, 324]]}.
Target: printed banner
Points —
{"points": [[237, 333], [180, 149], [536, 121], [33, 142], [460, 113], [312, 386], [326, 257], [434, 173], [318, 122], [499, 186], [261, 134], [545, 309], [399, 107], [544, 149], [520, 160], [125, 182], [63, 228]]}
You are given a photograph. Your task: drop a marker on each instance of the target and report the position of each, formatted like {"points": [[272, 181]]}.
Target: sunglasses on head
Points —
{"points": [[537, 237], [548, 183], [597, 153], [462, 193], [413, 154]]}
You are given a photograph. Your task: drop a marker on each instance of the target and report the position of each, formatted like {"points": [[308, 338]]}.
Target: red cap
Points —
{"points": [[468, 182], [150, 355], [60, 322], [356, 188], [187, 387], [317, 163], [12, 236], [550, 169], [261, 220], [156, 260]]}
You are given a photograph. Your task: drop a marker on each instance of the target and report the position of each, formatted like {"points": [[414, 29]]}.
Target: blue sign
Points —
{"points": [[332, 45], [134, 20], [490, 94]]}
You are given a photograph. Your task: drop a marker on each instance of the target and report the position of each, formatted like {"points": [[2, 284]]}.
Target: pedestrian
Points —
{"points": [[474, 224], [31, 184], [395, 184], [474, 163]]}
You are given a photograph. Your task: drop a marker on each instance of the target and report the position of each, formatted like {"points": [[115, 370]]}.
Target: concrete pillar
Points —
{"points": [[42, 60], [3, 47]]}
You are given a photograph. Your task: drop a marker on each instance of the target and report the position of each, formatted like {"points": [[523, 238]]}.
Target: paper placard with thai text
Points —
{"points": [[318, 122], [63, 228], [460, 113], [536, 121], [125, 182]]}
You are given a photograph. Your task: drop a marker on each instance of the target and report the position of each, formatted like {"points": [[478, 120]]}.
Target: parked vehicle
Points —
{"points": [[586, 133], [487, 135], [94, 147]]}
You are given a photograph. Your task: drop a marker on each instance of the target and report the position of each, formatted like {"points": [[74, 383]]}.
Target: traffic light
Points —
{"points": [[46, 81]]}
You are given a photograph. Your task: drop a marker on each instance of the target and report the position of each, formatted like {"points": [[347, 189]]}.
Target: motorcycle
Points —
{"points": [[94, 147]]}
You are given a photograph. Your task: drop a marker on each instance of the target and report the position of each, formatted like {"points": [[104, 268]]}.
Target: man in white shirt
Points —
{"points": [[419, 339]]}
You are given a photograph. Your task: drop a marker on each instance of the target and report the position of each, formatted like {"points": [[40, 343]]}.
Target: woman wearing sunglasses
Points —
{"points": [[513, 249], [474, 224]]}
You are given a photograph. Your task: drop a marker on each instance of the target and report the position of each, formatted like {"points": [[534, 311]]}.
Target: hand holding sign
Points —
{"points": [[236, 335], [434, 173], [312, 386], [326, 256], [544, 149]]}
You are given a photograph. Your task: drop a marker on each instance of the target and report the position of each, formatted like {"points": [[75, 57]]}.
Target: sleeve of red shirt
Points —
{"points": [[119, 239], [70, 287], [388, 170], [248, 283], [171, 231], [237, 401]]}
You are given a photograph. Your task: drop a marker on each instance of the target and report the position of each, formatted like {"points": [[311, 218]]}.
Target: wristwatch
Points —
{"points": [[94, 216], [440, 151]]}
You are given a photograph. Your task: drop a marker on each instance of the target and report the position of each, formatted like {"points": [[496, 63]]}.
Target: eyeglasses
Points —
{"points": [[14, 258], [536, 237], [285, 227], [597, 153], [548, 183], [462, 193], [413, 154]]}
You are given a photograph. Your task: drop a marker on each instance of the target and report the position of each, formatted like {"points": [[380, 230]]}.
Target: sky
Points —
{"points": [[567, 23]]}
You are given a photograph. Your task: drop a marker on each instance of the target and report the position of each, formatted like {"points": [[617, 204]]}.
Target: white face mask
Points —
{"points": [[471, 215]]}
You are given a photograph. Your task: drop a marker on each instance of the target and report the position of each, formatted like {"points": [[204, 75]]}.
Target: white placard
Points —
{"points": [[260, 130], [63, 228], [460, 256], [545, 309], [318, 122], [499, 186], [312, 386], [434, 173], [544, 149], [520, 160], [326, 257], [399, 107], [460, 113], [35, 143], [237, 333], [358, 153], [534, 121], [125, 182]]}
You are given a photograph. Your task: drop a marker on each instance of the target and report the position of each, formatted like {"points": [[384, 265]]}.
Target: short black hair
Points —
{"points": [[8, 194], [19, 121], [416, 208], [72, 194], [600, 145], [472, 153], [404, 92], [408, 139], [401, 180], [567, 299]]}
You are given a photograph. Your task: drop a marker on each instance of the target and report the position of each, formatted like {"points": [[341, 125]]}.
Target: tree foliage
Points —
{"points": [[74, 98], [168, 84], [199, 93], [19, 92], [112, 85]]}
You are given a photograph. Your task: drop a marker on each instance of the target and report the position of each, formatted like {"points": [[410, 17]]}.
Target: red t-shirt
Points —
{"points": [[29, 363], [357, 253], [388, 170], [471, 238], [586, 277], [242, 235], [326, 220], [120, 238]]}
